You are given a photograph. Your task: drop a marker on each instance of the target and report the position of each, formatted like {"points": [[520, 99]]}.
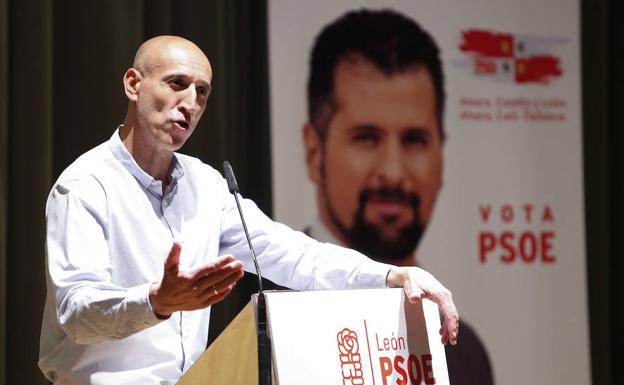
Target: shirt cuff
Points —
{"points": [[373, 274], [141, 311]]}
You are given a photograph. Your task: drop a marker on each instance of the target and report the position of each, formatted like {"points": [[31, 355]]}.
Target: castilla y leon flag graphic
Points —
{"points": [[518, 58]]}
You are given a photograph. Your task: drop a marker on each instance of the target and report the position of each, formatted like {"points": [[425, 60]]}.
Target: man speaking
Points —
{"points": [[141, 240]]}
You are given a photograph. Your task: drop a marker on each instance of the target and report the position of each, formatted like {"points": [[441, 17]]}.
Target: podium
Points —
{"points": [[343, 337]]}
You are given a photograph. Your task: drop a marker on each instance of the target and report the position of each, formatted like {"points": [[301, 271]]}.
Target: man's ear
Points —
{"points": [[132, 80], [313, 152]]}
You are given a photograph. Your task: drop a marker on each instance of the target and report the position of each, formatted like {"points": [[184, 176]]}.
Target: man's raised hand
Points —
{"points": [[197, 289]]}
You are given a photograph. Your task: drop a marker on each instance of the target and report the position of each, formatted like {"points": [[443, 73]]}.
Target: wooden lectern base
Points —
{"points": [[232, 358]]}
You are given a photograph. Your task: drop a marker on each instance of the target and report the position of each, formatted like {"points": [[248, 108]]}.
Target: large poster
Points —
{"points": [[473, 173]]}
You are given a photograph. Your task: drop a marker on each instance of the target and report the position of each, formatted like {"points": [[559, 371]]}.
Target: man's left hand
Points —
{"points": [[419, 284]]}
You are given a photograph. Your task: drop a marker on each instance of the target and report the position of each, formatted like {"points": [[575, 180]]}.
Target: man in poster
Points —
{"points": [[373, 147]]}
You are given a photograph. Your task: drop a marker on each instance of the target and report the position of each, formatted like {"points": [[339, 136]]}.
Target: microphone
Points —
{"points": [[264, 342], [230, 178], [233, 187]]}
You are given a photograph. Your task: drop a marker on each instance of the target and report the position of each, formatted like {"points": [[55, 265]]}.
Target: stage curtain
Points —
{"points": [[61, 94]]}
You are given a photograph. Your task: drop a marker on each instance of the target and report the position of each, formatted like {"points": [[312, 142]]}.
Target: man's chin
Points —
{"points": [[391, 237], [388, 237], [389, 234], [387, 243], [388, 215], [176, 140]]}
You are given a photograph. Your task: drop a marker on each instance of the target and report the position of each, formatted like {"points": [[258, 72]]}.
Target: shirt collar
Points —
{"points": [[120, 152]]}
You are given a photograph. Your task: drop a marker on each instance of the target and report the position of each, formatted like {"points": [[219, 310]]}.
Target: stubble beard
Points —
{"points": [[367, 238]]}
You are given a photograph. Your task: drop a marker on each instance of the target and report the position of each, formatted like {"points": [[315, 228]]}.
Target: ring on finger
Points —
{"points": [[214, 288]]}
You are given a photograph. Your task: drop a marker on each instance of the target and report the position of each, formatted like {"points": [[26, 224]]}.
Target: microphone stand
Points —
{"points": [[264, 342]]}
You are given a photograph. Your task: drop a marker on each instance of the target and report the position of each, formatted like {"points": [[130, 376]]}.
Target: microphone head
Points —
{"points": [[229, 176]]}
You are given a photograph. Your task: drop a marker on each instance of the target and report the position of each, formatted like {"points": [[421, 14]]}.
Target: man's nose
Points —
{"points": [[390, 164], [189, 99]]}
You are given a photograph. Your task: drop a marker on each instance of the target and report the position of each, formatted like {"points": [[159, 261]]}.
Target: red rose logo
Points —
{"points": [[350, 361], [347, 341]]}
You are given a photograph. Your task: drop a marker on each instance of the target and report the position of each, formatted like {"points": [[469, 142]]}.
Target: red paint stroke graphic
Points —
{"points": [[488, 44], [537, 69], [514, 58]]}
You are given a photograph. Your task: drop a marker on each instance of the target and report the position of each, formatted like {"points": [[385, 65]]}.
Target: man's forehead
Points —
{"points": [[364, 95], [358, 65], [362, 81], [180, 60], [167, 53]]}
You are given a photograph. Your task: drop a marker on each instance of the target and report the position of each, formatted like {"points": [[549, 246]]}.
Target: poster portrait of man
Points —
{"points": [[374, 146], [444, 135]]}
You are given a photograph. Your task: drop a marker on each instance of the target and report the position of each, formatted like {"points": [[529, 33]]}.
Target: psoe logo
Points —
{"points": [[521, 59], [350, 359]]}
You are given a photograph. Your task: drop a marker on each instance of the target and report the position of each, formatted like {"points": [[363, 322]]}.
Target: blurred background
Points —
{"points": [[61, 65]]}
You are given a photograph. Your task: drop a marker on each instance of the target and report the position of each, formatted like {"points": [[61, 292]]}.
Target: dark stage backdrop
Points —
{"points": [[61, 65]]}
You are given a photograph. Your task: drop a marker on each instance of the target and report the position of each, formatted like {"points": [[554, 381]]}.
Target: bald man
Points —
{"points": [[142, 240]]}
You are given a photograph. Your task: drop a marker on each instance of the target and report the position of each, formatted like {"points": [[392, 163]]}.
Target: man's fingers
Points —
{"points": [[413, 292], [172, 262], [212, 267], [229, 280], [208, 284], [445, 337], [431, 288], [213, 277], [451, 319], [450, 333], [418, 284], [216, 293], [216, 298], [453, 333], [450, 325], [212, 288]]}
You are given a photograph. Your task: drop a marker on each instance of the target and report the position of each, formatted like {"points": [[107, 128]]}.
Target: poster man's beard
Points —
{"points": [[368, 238]]}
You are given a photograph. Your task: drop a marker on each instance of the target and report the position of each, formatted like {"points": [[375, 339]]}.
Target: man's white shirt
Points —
{"points": [[110, 228]]}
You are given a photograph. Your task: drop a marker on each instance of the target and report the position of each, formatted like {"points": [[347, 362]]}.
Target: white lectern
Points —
{"points": [[346, 337]]}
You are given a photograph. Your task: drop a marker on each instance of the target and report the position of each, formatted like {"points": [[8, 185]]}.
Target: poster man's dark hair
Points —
{"points": [[389, 40]]}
